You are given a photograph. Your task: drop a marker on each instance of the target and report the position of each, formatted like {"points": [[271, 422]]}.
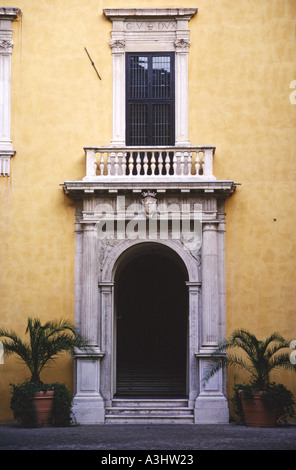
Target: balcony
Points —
{"points": [[147, 164], [122, 168]]}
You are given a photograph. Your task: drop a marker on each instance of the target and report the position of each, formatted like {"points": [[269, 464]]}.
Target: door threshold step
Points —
{"points": [[149, 410], [139, 411], [148, 420], [150, 402]]}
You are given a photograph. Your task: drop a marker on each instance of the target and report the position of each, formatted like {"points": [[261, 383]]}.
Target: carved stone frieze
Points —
{"points": [[105, 246], [6, 44]]}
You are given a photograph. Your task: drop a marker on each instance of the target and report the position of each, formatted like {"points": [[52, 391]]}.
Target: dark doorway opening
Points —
{"points": [[151, 328]]}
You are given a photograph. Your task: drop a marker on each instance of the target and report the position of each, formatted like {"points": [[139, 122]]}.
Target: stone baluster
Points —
{"points": [[190, 157], [119, 163], [167, 163], [177, 163], [124, 162], [160, 163], [116, 164], [197, 163], [138, 164], [112, 163], [102, 163], [184, 164], [153, 164], [130, 164], [109, 163], [145, 165]]}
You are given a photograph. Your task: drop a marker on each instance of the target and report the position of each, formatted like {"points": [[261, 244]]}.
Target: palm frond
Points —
{"points": [[275, 347], [246, 341], [256, 357], [46, 342], [281, 360]]}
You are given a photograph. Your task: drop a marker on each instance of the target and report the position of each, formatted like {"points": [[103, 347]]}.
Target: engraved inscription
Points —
{"points": [[151, 26]]}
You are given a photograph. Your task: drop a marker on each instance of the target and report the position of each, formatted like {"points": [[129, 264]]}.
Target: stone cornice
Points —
{"points": [[81, 189], [149, 13], [9, 13]]}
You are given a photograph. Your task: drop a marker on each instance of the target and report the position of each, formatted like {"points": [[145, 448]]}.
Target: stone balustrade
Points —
{"points": [[145, 163]]}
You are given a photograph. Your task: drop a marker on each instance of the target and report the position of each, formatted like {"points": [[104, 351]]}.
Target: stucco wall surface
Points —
{"points": [[241, 64]]}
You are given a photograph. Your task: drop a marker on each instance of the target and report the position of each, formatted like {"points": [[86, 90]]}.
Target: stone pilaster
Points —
{"points": [[78, 266], [107, 335], [117, 45], [89, 301], [211, 404], [182, 46], [221, 266], [194, 289], [88, 404], [210, 302]]}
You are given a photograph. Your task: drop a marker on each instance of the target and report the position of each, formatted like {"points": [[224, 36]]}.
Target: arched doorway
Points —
{"points": [[151, 325]]}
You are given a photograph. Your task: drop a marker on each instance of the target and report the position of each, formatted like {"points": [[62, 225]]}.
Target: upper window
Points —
{"points": [[150, 75], [150, 99], [7, 15]]}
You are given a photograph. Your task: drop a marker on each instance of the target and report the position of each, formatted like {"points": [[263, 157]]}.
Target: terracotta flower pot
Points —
{"points": [[43, 403], [256, 414]]}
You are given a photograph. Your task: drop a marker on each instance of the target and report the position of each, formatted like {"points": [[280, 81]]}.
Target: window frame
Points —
{"points": [[151, 100], [151, 30], [7, 16]]}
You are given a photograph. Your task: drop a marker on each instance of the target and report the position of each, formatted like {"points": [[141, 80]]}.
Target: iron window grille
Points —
{"points": [[150, 99]]}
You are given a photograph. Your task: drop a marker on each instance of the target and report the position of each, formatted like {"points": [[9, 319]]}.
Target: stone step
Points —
{"points": [[149, 402], [149, 419], [149, 411]]}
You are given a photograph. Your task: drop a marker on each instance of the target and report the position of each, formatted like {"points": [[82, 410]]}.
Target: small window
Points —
{"points": [[150, 95]]}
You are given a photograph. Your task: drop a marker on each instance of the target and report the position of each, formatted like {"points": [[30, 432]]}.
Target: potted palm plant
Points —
{"points": [[33, 401], [260, 402]]}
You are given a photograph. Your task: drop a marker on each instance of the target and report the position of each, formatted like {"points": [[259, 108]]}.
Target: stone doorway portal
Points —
{"points": [[102, 265], [151, 327]]}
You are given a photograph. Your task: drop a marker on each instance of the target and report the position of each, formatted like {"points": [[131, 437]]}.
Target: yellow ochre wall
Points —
{"points": [[241, 63]]}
